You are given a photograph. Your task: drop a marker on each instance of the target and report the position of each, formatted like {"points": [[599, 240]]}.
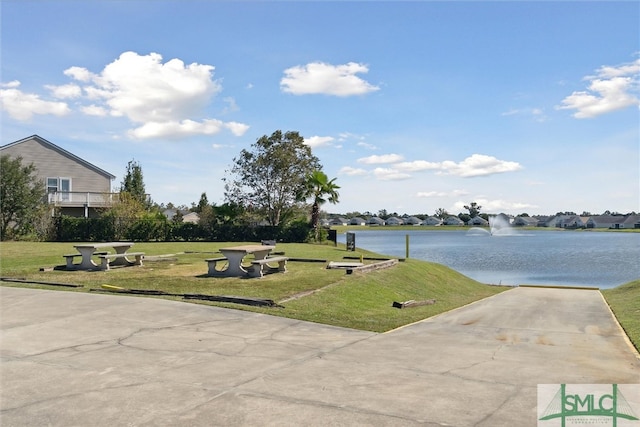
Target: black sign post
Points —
{"points": [[351, 241]]}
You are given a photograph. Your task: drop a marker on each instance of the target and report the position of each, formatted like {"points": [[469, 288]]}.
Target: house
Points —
{"points": [[73, 185], [338, 221], [187, 216], [572, 221], [525, 221], [357, 221], [632, 221], [412, 220], [394, 221], [478, 221], [432, 220], [453, 220], [605, 221], [375, 221]]}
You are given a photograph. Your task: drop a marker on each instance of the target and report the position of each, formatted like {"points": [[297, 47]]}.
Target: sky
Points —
{"points": [[521, 107]]}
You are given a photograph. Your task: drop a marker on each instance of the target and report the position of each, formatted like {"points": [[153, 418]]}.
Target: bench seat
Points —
{"points": [[106, 258], [70, 257], [212, 263], [260, 265]]}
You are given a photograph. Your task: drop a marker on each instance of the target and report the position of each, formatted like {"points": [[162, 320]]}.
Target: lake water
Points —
{"points": [[514, 257]]}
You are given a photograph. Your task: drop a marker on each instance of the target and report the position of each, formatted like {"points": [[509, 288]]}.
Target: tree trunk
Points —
{"points": [[315, 215]]}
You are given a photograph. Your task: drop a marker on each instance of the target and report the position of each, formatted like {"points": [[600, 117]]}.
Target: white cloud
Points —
{"points": [[611, 89], [429, 194], [416, 165], [347, 170], [164, 99], [472, 166], [220, 146], [174, 129], [94, 110], [80, 74], [321, 78], [238, 129], [385, 158], [390, 174], [318, 141], [231, 105], [494, 206], [366, 145], [478, 165], [65, 91], [22, 106]]}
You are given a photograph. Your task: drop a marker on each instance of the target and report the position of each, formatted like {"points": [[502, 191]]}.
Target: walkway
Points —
{"points": [[79, 359]]}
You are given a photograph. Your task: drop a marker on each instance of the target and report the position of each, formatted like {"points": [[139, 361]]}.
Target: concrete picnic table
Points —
{"points": [[87, 250], [235, 255]]}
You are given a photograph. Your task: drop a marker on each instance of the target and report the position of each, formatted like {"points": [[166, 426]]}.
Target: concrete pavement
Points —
{"points": [[79, 359]]}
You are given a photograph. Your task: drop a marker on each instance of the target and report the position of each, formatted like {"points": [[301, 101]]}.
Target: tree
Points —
{"points": [[321, 190], [267, 179], [441, 213], [22, 197], [474, 209], [201, 204], [133, 183]]}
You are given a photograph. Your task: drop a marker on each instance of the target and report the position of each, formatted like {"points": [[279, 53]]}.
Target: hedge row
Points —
{"points": [[108, 228]]}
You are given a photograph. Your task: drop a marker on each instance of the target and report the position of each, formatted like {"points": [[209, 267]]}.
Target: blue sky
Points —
{"points": [[412, 106]]}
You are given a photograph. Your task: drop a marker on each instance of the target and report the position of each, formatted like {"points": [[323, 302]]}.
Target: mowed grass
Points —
{"points": [[625, 303], [308, 291]]}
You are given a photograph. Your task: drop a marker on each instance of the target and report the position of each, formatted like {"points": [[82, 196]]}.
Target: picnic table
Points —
{"points": [[87, 250], [234, 255]]}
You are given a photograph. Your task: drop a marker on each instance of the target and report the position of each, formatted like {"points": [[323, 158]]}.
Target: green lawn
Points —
{"points": [[359, 300], [625, 303]]}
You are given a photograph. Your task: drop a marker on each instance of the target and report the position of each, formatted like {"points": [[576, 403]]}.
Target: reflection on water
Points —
{"points": [[545, 257]]}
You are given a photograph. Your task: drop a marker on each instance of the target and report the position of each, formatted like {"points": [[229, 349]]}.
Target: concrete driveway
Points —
{"points": [[79, 359]]}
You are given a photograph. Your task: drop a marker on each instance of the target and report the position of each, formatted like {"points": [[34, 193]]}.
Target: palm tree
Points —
{"points": [[321, 189]]}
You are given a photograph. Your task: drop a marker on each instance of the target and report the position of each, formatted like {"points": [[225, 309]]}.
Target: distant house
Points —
{"points": [[357, 221], [394, 221], [338, 221], [187, 216], [543, 221], [605, 221], [572, 221], [632, 221], [412, 220], [432, 220], [478, 221], [525, 221], [453, 220], [73, 185], [375, 221]]}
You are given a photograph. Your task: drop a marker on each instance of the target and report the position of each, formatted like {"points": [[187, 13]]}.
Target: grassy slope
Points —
{"points": [[625, 303], [360, 301]]}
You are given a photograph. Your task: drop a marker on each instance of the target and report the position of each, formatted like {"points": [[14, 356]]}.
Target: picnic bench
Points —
{"points": [[213, 266], [70, 257], [87, 250], [106, 259], [261, 266], [230, 265]]}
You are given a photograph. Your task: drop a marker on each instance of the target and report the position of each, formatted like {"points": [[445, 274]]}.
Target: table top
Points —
{"points": [[104, 245], [249, 249]]}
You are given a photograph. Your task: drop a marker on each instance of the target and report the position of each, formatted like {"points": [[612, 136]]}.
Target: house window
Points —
{"points": [[60, 185]]}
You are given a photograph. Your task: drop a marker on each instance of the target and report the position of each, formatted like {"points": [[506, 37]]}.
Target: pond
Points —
{"points": [[515, 257]]}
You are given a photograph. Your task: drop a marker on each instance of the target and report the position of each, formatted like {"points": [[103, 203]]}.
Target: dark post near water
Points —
{"points": [[351, 241], [333, 237]]}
